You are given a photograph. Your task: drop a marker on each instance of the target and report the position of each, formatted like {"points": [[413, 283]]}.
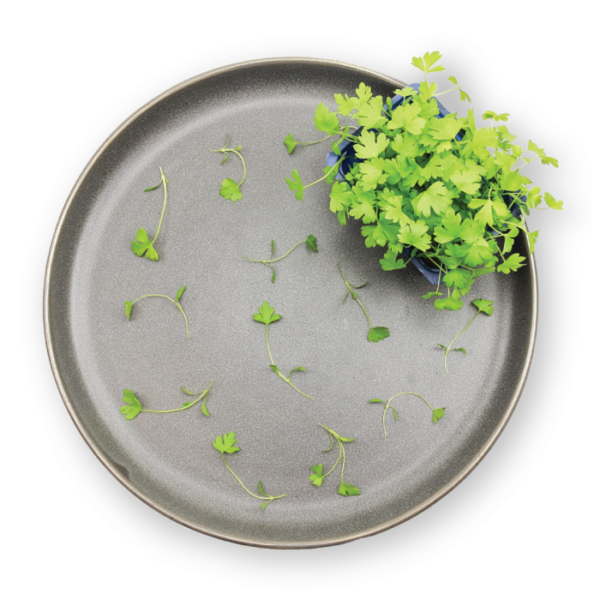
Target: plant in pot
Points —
{"points": [[429, 186]]}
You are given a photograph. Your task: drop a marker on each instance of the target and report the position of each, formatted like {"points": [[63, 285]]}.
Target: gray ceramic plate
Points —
{"points": [[168, 460]]}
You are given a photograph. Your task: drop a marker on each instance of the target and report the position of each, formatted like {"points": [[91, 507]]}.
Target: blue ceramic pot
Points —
{"points": [[347, 150]]}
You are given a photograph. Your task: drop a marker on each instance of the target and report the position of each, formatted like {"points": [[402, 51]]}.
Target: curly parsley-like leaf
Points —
{"points": [[226, 444]]}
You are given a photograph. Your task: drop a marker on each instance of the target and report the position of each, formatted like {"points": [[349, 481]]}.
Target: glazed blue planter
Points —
{"points": [[347, 151]]}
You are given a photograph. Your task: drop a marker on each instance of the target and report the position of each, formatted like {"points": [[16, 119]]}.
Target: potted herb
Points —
{"points": [[429, 186]]}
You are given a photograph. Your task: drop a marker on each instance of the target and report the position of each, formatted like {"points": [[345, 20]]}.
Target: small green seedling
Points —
{"points": [[226, 444], [317, 475], [142, 246], [129, 305], [266, 315], [230, 189], [483, 306], [133, 407], [438, 413], [311, 244], [376, 333]]}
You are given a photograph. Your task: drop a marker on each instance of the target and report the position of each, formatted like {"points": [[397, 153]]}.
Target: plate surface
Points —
{"points": [[168, 460]]}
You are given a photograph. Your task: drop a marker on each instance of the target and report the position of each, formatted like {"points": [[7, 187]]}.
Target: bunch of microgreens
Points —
{"points": [[311, 244], [438, 413], [266, 315], [483, 306], [437, 188], [133, 407], [141, 245], [230, 189], [226, 444], [376, 333], [317, 476], [129, 305]]}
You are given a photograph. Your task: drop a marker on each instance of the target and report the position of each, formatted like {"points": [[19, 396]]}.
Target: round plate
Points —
{"points": [[168, 460]]}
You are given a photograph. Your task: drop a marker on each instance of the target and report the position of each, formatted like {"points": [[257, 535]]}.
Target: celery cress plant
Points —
{"points": [[430, 185]]}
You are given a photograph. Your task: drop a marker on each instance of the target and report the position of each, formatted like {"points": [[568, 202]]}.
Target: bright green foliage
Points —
{"points": [[227, 444], [440, 187], [437, 413], [295, 185], [266, 315], [317, 475], [311, 244], [133, 407], [376, 333], [484, 306], [142, 246], [129, 305], [230, 189]]}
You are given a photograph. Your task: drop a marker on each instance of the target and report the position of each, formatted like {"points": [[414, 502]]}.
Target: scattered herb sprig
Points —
{"points": [[317, 476], [266, 315], [129, 306], [230, 189], [376, 333], [141, 245], [438, 413], [133, 407], [226, 444], [311, 244], [483, 306]]}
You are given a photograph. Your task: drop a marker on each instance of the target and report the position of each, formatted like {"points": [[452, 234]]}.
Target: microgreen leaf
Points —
{"points": [[427, 61], [290, 143], [326, 121], [512, 263], [311, 243], [128, 308], [438, 413], [295, 185], [489, 115], [230, 190], [378, 333], [484, 306], [266, 314], [448, 304], [346, 489], [226, 443], [375, 400], [317, 476], [142, 246], [134, 407], [179, 294], [430, 295]]}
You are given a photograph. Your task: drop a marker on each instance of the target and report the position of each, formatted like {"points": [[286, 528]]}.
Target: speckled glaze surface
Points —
{"points": [[168, 460]]}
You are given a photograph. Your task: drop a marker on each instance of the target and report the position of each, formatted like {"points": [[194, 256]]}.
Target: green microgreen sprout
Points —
{"points": [[267, 316], [141, 245], [483, 306], [129, 305], [311, 244], [230, 190], [317, 476], [438, 413], [133, 407], [226, 444], [296, 185], [376, 333]]}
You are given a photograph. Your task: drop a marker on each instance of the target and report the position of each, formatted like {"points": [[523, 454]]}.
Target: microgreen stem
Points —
{"points": [[341, 453], [268, 498], [202, 395], [280, 257], [276, 370], [349, 291], [226, 150], [447, 349], [388, 403], [175, 303], [165, 182]]}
